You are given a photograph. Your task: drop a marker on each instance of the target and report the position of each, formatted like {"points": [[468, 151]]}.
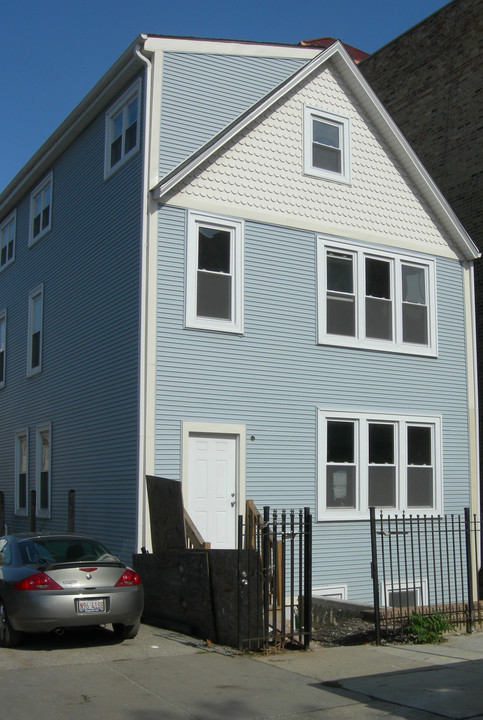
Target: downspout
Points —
{"points": [[474, 412], [141, 531]]}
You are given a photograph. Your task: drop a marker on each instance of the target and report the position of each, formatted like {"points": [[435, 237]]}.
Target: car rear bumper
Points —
{"points": [[45, 610]]}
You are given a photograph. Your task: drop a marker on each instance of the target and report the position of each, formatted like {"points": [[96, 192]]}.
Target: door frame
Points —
{"points": [[214, 428]]}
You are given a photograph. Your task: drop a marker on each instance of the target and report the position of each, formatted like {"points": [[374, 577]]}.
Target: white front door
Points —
{"points": [[212, 487]]}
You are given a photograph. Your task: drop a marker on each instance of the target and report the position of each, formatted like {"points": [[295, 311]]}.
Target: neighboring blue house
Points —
{"points": [[227, 267]]}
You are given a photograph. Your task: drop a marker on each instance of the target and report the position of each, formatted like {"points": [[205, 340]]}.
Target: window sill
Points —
{"points": [[34, 373], [387, 347], [351, 515], [320, 174], [34, 241], [6, 265], [109, 172], [228, 328]]}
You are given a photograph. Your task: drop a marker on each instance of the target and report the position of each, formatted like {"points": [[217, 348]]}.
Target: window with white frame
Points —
{"points": [[375, 299], [7, 240], [21, 472], [41, 210], [326, 145], [34, 349], [406, 593], [214, 284], [385, 461], [123, 129], [43, 470], [3, 347]]}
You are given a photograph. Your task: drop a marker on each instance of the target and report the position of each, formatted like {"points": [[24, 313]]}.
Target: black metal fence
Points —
{"points": [[424, 565], [283, 593]]}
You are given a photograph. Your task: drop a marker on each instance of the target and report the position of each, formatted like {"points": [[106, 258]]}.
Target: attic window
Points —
{"points": [[122, 129], [326, 145], [7, 240], [41, 210]]}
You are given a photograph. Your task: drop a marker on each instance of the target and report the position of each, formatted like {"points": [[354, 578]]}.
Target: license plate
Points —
{"points": [[95, 605]]}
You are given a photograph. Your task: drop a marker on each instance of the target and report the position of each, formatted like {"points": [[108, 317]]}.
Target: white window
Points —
{"points": [[123, 129], [388, 462], [335, 592], [41, 210], [326, 145], [7, 240], [214, 285], [43, 470], [34, 349], [3, 347], [412, 593], [21, 472], [375, 299]]}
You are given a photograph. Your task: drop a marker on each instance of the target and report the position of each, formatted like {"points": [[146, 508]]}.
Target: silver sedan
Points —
{"points": [[51, 582]]}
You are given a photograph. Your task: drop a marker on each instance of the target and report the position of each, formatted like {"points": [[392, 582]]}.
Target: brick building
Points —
{"points": [[430, 79]]}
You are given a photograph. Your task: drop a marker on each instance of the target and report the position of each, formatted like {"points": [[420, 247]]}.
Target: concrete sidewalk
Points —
{"points": [[166, 676]]}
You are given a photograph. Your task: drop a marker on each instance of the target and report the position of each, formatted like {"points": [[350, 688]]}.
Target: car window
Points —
{"points": [[62, 549], [5, 552]]}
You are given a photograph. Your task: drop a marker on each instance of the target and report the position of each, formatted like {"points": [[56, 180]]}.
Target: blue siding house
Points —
{"points": [[228, 267]]}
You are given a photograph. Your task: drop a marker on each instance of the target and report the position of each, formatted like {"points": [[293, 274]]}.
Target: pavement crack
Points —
{"points": [[148, 691]]}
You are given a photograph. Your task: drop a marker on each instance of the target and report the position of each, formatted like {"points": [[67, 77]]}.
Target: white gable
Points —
{"points": [[259, 175]]}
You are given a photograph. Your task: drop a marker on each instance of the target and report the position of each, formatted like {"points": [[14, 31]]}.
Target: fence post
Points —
{"points": [[32, 510], [241, 581], [469, 573], [71, 511], [374, 574], [307, 578], [266, 572], [2, 514]]}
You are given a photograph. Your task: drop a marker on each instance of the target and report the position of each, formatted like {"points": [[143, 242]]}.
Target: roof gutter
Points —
{"points": [[117, 75]]}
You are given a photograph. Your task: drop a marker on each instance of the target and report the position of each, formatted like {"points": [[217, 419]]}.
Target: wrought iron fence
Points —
{"points": [[278, 611], [423, 565]]}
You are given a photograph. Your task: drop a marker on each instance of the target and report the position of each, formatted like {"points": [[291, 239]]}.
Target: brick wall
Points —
{"points": [[431, 81]]}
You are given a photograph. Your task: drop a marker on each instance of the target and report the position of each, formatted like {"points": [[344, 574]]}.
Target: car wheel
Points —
{"points": [[9, 637], [126, 632]]}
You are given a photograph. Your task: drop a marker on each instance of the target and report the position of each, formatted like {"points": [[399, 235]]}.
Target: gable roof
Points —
{"points": [[325, 42], [381, 120]]}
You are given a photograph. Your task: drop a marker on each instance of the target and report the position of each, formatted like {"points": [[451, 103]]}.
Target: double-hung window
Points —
{"points": [[375, 299], [326, 145], [21, 472], [7, 240], [214, 283], [41, 210], [3, 347], [388, 462], [35, 322], [43, 470], [123, 129]]}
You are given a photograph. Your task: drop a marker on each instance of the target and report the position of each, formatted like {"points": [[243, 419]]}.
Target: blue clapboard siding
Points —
{"points": [[202, 93], [275, 377], [88, 387]]}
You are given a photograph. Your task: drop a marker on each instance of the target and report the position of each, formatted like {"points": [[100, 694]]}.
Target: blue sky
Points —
{"points": [[52, 52]]}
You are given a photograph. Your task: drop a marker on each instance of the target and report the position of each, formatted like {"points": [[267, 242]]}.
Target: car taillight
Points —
{"points": [[39, 581], [129, 577]]}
